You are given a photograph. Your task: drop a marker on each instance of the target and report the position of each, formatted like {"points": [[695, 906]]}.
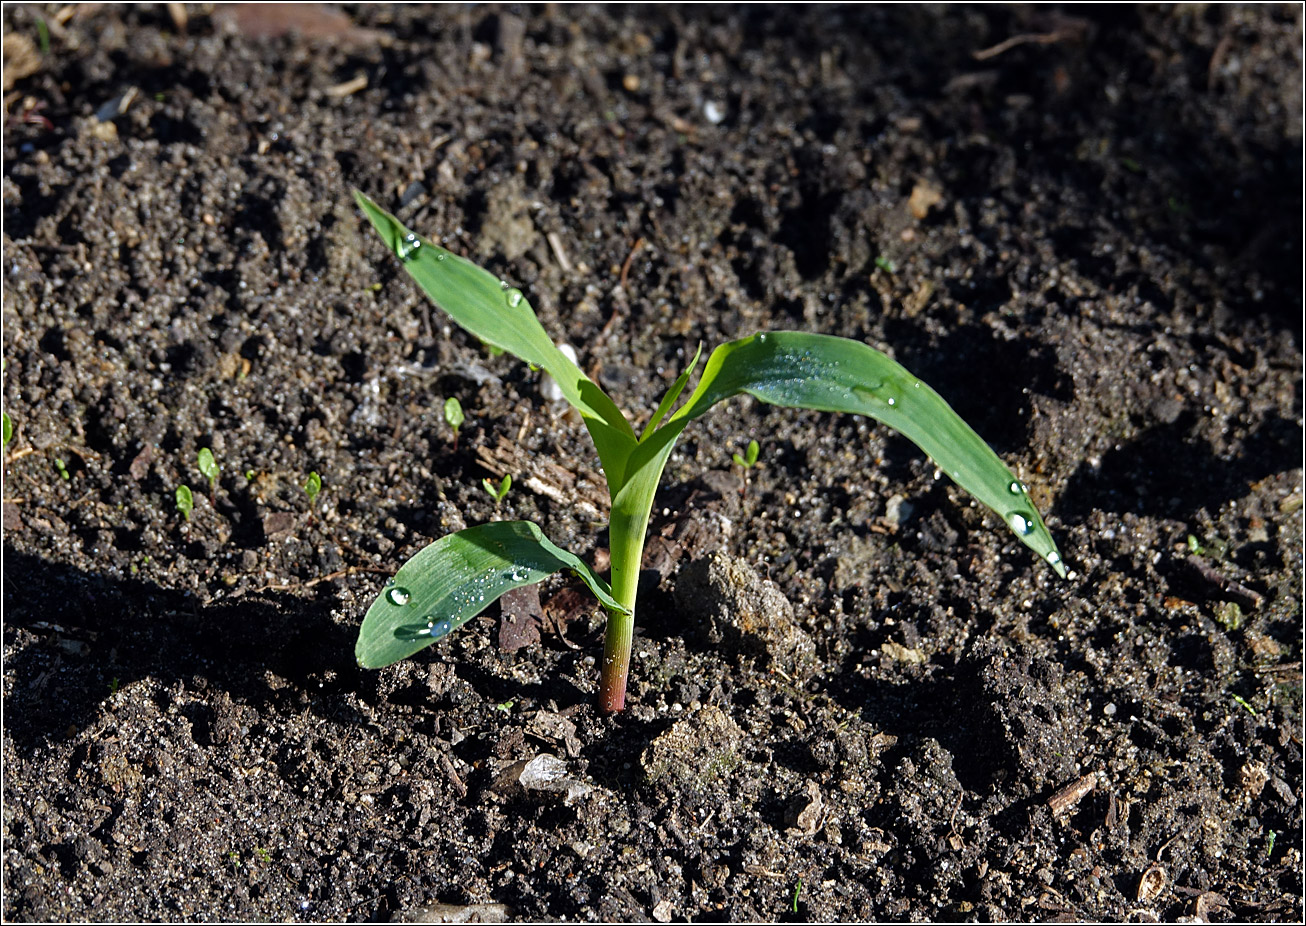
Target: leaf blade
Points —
{"points": [[826, 373], [501, 316], [453, 579]]}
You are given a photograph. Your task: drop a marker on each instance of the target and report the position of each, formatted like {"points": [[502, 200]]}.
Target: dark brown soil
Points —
{"points": [[1088, 239]]}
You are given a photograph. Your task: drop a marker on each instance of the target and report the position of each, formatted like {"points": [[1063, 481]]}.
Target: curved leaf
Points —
{"points": [[455, 578], [817, 371], [500, 315]]}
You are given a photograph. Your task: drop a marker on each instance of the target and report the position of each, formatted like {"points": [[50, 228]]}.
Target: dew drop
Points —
{"points": [[439, 257], [1020, 524], [1053, 558], [1017, 488], [437, 629], [408, 246], [398, 595], [761, 337], [514, 298]]}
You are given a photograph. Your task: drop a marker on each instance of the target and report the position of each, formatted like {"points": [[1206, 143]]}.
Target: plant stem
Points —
{"points": [[627, 554]]}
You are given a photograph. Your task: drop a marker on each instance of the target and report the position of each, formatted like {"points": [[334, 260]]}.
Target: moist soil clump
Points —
{"points": [[854, 695]]}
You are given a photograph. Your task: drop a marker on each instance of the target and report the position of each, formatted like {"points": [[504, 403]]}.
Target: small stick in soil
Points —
{"points": [[1046, 38], [338, 574], [625, 268], [453, 776], [555, 242], [1068, 797]]}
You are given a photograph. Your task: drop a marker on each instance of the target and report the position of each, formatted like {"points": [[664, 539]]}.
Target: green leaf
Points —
{"points": [[499, 492], [185, 501], [802, 370], [673, 393], [312, 486], [8, 429], [453, 413], [208, 466], [501, 316], [749, 458], [455, 578]]}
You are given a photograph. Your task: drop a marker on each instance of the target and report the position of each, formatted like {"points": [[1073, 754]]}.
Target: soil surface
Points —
{"points": [[854, 695]]}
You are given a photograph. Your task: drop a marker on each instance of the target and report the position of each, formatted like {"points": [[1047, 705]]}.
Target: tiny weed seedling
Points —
{"points": [[453, 416], [208, 468], [62, 467], [8, 429], [747, 462], [454, 578], [499, 492], [749, 459], [313, 487], [185, 501]]}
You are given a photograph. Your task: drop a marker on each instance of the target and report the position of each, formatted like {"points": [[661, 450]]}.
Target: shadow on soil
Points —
{"points": [[1168, 472], [96, 634]]}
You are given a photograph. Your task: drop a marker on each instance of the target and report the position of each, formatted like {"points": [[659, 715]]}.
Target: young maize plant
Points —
{"points": [[456, 577]]}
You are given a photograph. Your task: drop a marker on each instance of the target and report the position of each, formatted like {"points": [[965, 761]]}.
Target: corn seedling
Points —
{"points": [[453, 416], [456, 577], [498, 492], [185, 501]]}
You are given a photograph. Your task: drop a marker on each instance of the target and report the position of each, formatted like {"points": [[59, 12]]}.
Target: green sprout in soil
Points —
{"points": [[453, 416], [8, 429], [313, 487], [185, 501], [456, 577], [62, 467], [747, 462], [499, 492], [749, 459], [208, 468]]}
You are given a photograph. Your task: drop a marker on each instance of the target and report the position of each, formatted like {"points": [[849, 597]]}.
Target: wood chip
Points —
{"points": [[348, 88], [1069, 797]]}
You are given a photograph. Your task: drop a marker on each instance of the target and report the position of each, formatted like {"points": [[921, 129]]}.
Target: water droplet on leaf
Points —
{"points": [[398, 595], [514, 298], [408, 246], [1020, 524]]}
